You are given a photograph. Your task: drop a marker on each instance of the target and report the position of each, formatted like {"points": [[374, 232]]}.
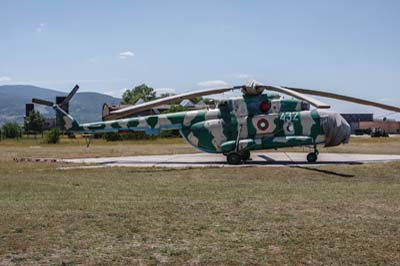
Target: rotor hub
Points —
{"points": [[252, 88]]}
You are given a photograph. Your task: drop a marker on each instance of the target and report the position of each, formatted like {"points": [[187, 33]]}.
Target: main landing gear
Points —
{"points": [[237, 156], [312, 157], [234, 157]]}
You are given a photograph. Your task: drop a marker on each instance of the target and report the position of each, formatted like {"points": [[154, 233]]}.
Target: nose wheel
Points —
{"points": [[312, 157]]}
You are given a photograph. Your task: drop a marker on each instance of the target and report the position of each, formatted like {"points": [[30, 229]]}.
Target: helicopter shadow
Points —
{"points": [[301, 165]]}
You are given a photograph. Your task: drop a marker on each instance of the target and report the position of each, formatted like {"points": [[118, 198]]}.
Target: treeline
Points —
{"points": [[33, 125], [12, 130]]}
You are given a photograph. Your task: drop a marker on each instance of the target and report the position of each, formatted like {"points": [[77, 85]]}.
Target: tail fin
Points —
{"points": [[69, 123]]}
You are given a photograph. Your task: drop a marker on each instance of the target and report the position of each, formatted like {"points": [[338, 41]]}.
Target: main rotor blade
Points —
{"points": [[70, 95], [130, 110], [346, 98], [42, 102], [297, 95]]}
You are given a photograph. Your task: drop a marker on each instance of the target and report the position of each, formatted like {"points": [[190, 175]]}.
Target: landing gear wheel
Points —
{"points": [[312, 157], [245, 155], [233, 158]]}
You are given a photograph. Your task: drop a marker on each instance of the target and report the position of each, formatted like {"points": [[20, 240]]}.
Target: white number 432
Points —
{"points": [[290, 116]]}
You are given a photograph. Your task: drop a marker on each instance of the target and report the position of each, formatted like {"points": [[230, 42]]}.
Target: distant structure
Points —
{"points": [[29, 108], [187, 103], [201, 104], [364, 121], [50, 122], [194, 106], [65, 107], [140, 101]]}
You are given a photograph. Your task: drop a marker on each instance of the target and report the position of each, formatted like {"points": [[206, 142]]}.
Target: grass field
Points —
{"points": [[316, 215]]}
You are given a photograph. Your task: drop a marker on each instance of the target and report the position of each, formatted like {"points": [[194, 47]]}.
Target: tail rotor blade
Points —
{"points": [[42, 102]]}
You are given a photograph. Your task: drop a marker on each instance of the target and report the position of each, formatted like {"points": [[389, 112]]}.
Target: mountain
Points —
{"points": [[84, 106]]}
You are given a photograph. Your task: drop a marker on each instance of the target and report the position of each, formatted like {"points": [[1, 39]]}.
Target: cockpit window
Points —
{"points": [[305, 106], [223, 104]]}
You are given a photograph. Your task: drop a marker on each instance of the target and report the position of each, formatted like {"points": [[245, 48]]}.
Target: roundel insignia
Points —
{"points": [[262, 124]]}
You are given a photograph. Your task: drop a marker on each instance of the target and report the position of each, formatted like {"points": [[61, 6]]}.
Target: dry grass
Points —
{"points": [[76, 148], [318, 215]]}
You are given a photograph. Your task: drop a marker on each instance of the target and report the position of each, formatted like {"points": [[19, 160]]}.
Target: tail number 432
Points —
{"points": [[289, 116]]}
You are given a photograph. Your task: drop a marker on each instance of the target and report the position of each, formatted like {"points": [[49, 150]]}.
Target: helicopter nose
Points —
{"points": [[335, 127]]}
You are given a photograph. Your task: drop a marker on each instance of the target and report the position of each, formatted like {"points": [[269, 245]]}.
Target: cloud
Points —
{"points": [[5, 79], [212, 83], [390, 100], [116, 92], [125, 55], [244, 76], [160, 91], [40, 27]]}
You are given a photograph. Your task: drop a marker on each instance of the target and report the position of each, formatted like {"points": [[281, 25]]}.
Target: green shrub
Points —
{"points": [[136, 135], [53, 136], [139, 135], [11, 130], [112, 136], [169, 134]]}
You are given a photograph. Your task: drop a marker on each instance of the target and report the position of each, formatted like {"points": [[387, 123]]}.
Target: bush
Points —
{"points": [[139, 135], [136, 135], [11, 130], [112, 136], [53, 136], [170, 134]]}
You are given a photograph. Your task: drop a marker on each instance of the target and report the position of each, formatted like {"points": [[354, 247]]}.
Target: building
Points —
{"points": [[354, 119], [365, 121], [187, 103], [391, 127]]}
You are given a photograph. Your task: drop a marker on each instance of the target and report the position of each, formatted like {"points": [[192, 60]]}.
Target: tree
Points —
{"points": [[208, 101], [195, 100], [166, 94], [11, 130], [139, 92], [34, 122], [175, 108]]}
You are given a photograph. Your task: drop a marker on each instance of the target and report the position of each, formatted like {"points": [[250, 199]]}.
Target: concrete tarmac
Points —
{"points": [[259, 159]]}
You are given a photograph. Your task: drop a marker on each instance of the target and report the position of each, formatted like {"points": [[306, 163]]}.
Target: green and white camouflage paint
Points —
{"points": [[244, 123]]}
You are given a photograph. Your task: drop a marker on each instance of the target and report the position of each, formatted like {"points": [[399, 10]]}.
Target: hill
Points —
{"points": [[84, 106]]}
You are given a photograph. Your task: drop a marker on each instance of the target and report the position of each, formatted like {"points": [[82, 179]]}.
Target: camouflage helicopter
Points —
{"points": [[254, 121]]}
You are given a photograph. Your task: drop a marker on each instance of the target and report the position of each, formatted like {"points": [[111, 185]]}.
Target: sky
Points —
{"points": [[348, 47]]}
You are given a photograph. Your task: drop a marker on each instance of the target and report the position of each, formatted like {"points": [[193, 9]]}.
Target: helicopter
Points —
{"points": [[238, 125]]}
